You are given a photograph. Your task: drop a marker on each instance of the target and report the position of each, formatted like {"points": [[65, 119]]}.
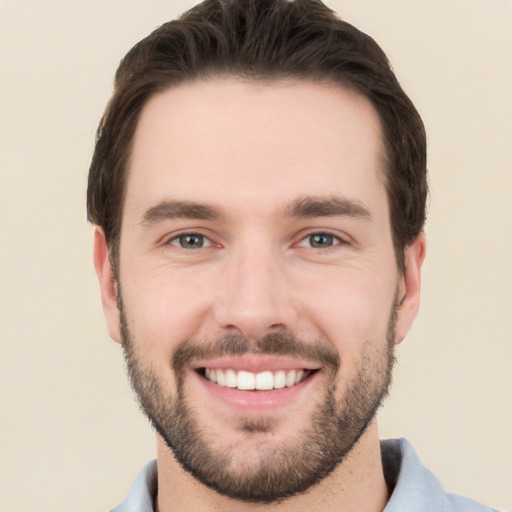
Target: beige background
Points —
{"points": [[71, 436]]}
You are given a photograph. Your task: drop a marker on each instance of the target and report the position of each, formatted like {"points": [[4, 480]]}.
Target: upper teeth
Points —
{"points": [[246, 380]]}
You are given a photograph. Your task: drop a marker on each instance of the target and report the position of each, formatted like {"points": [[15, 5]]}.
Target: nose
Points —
{"points": [[255, 297]]}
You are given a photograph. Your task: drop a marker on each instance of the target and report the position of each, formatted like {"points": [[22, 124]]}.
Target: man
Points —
{"points": [[258, 187]]}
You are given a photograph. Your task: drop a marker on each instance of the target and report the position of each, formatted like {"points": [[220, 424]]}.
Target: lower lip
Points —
{"points": [[255, 399]]}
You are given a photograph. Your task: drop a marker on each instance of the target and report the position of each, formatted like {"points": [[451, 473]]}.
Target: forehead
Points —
{"points": [[272, 141]]}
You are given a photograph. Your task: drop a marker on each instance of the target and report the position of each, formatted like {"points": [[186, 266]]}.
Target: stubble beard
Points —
{"points": [[271, 473]]}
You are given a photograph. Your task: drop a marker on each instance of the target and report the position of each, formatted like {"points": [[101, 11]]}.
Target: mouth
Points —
{"points": [[255, 383], [266, 380]]}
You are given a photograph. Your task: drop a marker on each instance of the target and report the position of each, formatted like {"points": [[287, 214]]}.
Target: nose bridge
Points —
{"points": [[254, 298]]}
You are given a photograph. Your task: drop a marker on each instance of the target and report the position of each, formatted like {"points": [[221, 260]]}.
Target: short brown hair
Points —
{"points": [[261, 39]]}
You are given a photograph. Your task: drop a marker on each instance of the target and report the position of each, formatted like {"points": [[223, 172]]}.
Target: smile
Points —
{"points": [[262, 381]]}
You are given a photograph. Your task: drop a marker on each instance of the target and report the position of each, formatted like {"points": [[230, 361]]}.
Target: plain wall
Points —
{"points": [[71, 435]]}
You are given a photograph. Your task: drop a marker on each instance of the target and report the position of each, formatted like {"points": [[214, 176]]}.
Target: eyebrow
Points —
{"points": [[302, 207], [326, 206], [179, 210]]}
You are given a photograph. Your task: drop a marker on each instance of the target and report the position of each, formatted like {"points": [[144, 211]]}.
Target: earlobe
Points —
{"points": [[108, 288], [409, 292]]}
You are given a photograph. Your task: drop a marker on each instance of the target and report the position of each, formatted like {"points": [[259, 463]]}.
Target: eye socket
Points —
{"points": [[320, 241], [190, 241]]}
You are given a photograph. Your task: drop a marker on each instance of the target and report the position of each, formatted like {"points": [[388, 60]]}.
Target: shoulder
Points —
{"points": [[458, 503]]}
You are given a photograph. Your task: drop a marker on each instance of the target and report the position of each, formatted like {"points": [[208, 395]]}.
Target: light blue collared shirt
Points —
{"points": [[416, 488]]}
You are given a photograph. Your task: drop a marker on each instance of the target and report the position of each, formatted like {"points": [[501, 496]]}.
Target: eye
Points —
{"points": [[320, 241], [190, 241]]}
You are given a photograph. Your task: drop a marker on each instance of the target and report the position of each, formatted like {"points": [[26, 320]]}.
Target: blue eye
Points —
{"points": [[319, 241], [190, 241]]}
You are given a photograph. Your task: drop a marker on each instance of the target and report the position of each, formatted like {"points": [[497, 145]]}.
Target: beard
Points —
{"points": [[269, 473]]}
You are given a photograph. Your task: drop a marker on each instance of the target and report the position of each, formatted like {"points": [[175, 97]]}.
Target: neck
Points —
{"points": [[357, 484]]}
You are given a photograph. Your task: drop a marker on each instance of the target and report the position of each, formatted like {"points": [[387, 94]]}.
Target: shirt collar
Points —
{"points": [[416, 488]]}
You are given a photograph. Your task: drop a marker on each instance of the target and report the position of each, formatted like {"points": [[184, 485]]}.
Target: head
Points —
{"points": [[262, 40], [258, 185]]}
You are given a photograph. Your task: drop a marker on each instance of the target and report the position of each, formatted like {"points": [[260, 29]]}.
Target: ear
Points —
{"points": [[107, 282], [409, 287]]}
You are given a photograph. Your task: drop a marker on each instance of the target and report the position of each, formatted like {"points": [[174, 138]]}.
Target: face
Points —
{"points": [[258, 287]]}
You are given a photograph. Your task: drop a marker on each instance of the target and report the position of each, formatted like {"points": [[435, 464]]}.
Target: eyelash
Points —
{"points": [[336, 240], [177, 238]]}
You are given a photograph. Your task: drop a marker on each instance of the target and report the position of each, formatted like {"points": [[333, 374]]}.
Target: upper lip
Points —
{"points": [[256, 363]]}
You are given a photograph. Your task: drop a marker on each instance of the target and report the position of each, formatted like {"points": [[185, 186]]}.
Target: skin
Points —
{"points": [[249, 151]]}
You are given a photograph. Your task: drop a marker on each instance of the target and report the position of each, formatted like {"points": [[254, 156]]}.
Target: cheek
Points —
{"points": [[165, 308], [350, 309]]}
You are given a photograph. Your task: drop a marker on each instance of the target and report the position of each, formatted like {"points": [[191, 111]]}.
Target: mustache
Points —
{"points": [[278, 344]]}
